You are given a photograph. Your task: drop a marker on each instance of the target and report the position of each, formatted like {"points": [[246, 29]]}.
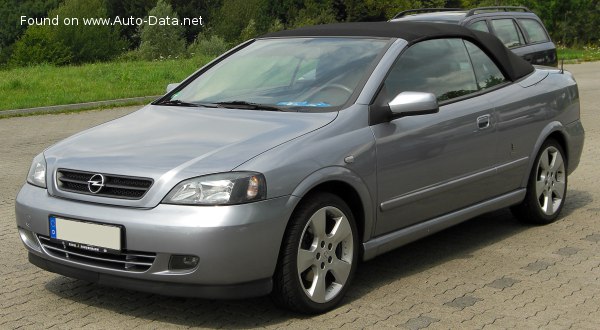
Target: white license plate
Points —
{"points": [[86, 235]]}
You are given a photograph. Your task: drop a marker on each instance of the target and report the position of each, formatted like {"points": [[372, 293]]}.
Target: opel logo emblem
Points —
{"points": [[96, 183]]}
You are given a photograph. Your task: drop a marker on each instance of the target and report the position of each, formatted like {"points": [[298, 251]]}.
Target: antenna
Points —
{"points": [[562, 68]]}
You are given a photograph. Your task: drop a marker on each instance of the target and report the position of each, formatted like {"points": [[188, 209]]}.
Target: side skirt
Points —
{"points": [[388, 242]]}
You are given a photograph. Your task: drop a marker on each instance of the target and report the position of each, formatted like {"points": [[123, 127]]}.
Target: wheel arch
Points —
{"points": [[347, 185], [554, 130]]}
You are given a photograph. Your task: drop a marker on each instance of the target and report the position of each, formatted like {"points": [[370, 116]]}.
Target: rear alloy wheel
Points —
{"points": [[319, 255], [547, 187]]}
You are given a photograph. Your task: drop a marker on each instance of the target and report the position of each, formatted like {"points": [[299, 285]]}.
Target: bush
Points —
{"points": [[236, 17], [88, 43], [10, 27], [276, 26], [64, 44], [40, 45], [161, 41], [249, 31], [209, 46], [130, 56]]}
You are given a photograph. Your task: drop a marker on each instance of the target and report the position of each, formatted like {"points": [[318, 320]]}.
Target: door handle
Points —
{"points": [[483, 122]]}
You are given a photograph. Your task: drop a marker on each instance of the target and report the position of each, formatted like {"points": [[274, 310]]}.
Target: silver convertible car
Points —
{"points": [[281, 165]]}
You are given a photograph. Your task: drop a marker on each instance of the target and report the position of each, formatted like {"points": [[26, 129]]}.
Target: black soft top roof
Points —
{"points": [[512, 65]]}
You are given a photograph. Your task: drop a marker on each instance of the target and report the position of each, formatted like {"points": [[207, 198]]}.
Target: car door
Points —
{"points": [[433, 164]]}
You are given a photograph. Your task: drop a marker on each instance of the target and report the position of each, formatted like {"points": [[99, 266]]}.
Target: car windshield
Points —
{"points": [[279, 74]]}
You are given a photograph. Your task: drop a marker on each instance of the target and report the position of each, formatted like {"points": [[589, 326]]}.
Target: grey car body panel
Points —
{"points": [[318, 157], [404, 236], [413, 175], [446, 145], [227, 291], [170, 229], [130, 146]]}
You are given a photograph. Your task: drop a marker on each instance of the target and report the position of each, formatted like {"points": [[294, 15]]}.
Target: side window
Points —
{"points": [[486, 72], [479, 26], [506, 30], [439, 66], [534, 30]]}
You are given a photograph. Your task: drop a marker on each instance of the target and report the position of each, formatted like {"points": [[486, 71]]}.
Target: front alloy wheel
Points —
{"points": [[325, 254], [319, 255]]}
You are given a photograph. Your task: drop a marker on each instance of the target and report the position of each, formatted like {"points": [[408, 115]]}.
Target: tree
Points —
{"points": [[40, 45], [235, 15], [130, 8], [63, 44], [88, 43], [249, 31], [315, 12], [208, 46], [195, 8], [10, 24], [161, 41]]}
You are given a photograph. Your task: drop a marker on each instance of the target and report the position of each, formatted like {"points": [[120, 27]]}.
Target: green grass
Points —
{"points": [[587, 53], [46, 85]]}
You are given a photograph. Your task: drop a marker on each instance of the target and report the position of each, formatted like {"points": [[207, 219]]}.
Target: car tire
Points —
{"points": [[546, 188], [319, 255]]}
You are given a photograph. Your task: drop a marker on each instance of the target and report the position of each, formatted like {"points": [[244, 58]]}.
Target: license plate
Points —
{"points": [[89, 236]]}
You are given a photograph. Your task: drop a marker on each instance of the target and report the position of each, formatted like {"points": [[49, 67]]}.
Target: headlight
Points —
{"points": [[37, 172], [219, 189]]}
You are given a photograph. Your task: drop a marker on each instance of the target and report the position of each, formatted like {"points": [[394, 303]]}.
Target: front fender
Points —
{"points": [[345, 175]]}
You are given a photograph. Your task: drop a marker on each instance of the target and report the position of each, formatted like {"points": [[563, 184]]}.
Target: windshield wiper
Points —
{"points": [[249, 105], [187, 104]]}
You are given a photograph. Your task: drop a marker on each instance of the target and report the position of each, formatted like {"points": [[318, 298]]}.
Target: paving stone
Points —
{"points": [[537, 266], [420, 322], [567, 251], [593, 238], [503, 283], [463, 302]]}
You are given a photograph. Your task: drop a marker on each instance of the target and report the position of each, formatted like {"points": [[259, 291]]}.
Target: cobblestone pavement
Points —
{"points": [[490, 272]]}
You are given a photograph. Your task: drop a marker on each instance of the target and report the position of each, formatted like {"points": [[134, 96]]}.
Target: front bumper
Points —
{"points": [[237, 245]]}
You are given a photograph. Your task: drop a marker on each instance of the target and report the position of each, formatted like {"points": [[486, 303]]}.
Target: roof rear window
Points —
{"points": [[506, 31], [479, 26], [534, 30]]}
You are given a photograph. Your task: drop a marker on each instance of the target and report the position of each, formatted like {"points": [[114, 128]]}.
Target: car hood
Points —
{"points": [[174, 143]]}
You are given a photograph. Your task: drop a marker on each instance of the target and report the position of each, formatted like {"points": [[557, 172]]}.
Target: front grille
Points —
{"points": [[132, 261], [114, 186]]}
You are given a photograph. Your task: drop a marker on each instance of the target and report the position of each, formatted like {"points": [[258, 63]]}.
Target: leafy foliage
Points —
{"points": [[130, 8], [226, 22], [88, 43], [10, 24], [208, 46], [62, 44], [236, 15], [161, 41], [40, 45], [195, 8]]}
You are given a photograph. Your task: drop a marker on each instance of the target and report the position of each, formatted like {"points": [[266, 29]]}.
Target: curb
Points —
{"points": [[78, 106]]}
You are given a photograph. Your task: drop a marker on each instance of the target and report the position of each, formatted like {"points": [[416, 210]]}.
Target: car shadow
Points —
{"points": [[457, 242]]}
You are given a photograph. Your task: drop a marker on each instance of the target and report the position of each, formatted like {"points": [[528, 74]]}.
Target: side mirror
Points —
{"points": [[413, 104], [171, 87]]}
